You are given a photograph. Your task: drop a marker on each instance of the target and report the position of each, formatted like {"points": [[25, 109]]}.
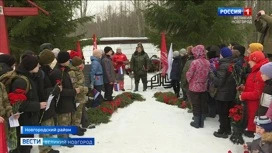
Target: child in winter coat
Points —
{"points": [[262, 142], [197, 76], [266, 98], [176, 72], [253, 89]]}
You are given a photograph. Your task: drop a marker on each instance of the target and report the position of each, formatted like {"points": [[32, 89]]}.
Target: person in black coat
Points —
{"points": [[7, 63], [66, 104], [226, 92], [46, 57], [175, 74], [31, 107]]}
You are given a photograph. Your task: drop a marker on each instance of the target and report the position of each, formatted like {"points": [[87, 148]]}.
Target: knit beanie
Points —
{"points": [[63, 57], [29, 62], [46, 57], [267, 69], [107, 49], [253, 47], [56, 51], [8, 59], [76, 61], [256, 57], [175, 53], [183, 51], [240, 48], [264, 122], [226, 52]]}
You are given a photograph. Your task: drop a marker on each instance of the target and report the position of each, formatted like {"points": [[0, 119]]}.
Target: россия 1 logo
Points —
{"points": [[234, 11]]}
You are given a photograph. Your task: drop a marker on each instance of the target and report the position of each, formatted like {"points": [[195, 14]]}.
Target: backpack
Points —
{"points": [[7, 78]]}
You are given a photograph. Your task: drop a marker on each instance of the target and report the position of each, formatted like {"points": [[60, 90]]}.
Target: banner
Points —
{"points": [[49, 129], [163, 54], [116, 87], [79, 49], [170, 61], [57, 141]]}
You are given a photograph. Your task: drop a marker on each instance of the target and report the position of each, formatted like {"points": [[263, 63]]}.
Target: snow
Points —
{"points": [[153, 127]]}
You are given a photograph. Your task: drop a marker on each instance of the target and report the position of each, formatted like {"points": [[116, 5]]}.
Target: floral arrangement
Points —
{"points": [[16, 98], [102, 113], [236, 114], [170, 98]]}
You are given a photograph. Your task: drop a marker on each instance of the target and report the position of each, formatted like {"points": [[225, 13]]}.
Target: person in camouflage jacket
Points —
{"points": [[140, 64], [78, 81]]}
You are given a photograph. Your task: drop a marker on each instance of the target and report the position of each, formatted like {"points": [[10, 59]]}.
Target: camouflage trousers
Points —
{"points": [[49, 122], [76, 116], [64, 120]]}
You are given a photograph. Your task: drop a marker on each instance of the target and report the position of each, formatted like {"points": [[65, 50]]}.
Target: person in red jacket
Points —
{"points": [[120, 60], [253, 88]]}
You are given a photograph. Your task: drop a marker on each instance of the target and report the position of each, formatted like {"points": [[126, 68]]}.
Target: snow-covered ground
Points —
{"points": [[153, 127]]}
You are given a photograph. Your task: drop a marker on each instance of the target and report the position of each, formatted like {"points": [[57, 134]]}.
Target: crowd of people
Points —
{"points": [[57, 76], [212, 77]]}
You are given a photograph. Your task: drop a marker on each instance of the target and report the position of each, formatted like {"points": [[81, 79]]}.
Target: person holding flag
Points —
{"points": [[120, 60]]}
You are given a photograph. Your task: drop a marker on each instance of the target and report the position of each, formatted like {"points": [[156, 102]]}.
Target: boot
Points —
{"points": [[145, 87], [202, 118], [79, 131], [221, 134], [196, 122], [136, 87]]}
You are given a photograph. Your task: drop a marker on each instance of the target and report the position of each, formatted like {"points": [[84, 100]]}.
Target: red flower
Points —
{"points": [[230, 69], [183, 104], [62, 68], [20, 91], [238, 107], [244, 64], [216, 65], [16, 98], [58, 82], [237, 117], [246, 59]]}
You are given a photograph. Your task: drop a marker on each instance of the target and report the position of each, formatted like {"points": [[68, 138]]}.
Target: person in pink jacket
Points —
{"points": [[197, 76]]}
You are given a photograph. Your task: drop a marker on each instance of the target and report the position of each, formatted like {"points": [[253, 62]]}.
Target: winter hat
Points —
{"points": [[46, 46], [76, 61], [264, 122], [240, 48], [265, 69], [253, 47], [216, 49], [226, 52], [56, 51], [63, 57], [175, 53], [46, 57], [256, 57], [107, 49], [211, 54], [29, 62], [183, 51], [8, 59], [73, 54]]}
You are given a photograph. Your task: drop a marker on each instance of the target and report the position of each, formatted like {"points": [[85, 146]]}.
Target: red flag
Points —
{"points": [[164, 59], [79, 49], [3, 142], [94, 42]]}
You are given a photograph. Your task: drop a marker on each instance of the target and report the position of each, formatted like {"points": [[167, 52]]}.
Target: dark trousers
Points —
{"points": [[22, 149], [211, 106], [84, 118], [184, 93], [97, 101], [270, 57], [223, 108], [199, 102], [176, 86], [108, 91], [143, 77]]}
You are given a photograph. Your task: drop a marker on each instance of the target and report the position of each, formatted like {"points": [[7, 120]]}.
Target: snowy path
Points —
{"points": [[153, 127]]}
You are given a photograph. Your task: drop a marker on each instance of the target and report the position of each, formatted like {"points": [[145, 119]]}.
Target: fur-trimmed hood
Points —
{"points": [[267, 137]]}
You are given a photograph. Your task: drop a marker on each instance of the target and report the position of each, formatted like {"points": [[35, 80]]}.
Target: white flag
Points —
{"points": [[170, 61]]}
